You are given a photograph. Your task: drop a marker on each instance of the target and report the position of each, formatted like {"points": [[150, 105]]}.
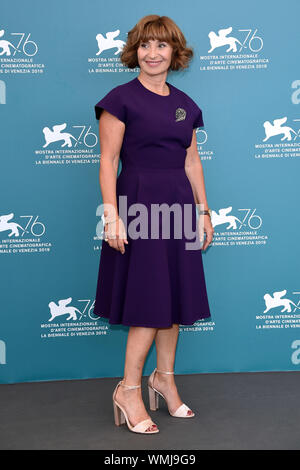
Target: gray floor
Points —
{"points": [[234, 411]]}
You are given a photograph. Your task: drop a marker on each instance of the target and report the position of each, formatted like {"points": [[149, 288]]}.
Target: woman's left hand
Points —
{"points": [[205, 225]]}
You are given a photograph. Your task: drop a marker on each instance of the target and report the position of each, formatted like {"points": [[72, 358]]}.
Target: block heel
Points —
{"points": [[153, 399], [118, 415]]}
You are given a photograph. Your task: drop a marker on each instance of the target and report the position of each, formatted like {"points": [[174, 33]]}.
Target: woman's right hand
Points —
{"points": [[115, 234]]}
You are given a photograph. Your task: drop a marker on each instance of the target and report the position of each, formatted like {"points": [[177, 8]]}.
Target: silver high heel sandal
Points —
{"points": [[120, 415], [182, 410]]}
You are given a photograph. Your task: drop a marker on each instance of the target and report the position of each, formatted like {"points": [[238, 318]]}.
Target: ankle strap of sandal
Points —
{"points": [[130, 386], [164, 372]]}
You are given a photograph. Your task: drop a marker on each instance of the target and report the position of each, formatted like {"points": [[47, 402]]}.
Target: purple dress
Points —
{"points": [[156, 282]]}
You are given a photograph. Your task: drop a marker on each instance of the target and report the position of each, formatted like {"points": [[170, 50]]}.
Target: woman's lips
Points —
{"points": [[153, 63]]}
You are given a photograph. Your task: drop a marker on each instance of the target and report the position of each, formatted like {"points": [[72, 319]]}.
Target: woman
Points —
{"points": [[151, 284]]}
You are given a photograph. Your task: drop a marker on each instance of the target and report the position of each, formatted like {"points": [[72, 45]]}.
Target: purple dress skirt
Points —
{"points": [[157, 281]]}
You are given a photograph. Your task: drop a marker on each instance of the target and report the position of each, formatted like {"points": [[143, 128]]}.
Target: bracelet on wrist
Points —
{"points": [[110, 221], [204, 212]]}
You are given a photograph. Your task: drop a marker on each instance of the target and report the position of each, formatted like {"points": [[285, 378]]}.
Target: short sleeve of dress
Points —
{"points": [[198, 121], [113, 103]]}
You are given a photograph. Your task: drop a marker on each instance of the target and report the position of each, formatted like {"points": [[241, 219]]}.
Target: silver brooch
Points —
{"points": [[180, 114]]}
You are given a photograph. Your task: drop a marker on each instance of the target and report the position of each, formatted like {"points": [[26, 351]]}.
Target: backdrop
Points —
{"points": [[57, 59]]}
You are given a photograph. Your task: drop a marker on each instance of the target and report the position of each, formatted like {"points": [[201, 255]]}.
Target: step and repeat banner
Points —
{"points": [[57, 60]]}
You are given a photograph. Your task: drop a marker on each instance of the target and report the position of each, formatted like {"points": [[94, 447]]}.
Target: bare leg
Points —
{"points": [[139, 342], [166, 343]]}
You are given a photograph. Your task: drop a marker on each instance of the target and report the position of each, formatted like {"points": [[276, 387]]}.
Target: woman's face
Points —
{"points": [[154, 56]]}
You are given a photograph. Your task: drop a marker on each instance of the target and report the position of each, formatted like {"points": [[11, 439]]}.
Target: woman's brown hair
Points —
{"points": [[161, 28]]}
